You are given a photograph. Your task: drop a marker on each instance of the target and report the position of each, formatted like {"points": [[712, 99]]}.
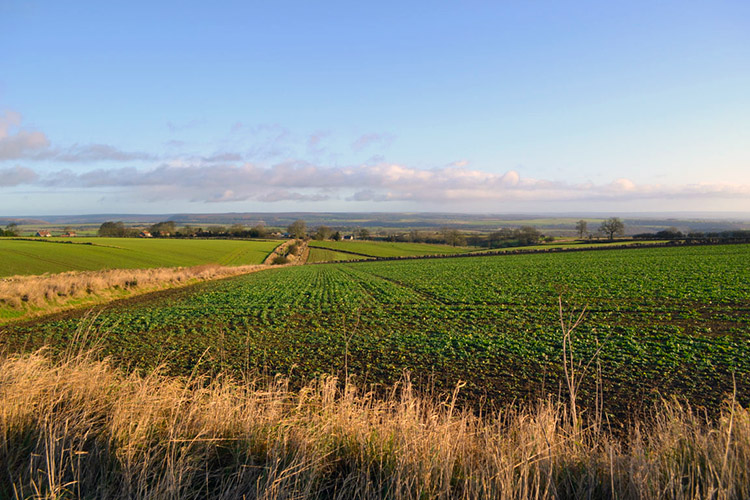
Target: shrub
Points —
{"points": [[279, 259]]}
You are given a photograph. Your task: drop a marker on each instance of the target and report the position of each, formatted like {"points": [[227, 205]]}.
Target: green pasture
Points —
{"points": [[667, 321], [23, 257], [568, 244], [382, 249], [323, 255], [29, 230], [389, 249]]}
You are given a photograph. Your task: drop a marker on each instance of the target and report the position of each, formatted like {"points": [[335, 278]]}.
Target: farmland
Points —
{"points": [[389, 249], [24, 257], [325, 255], [346, 250], [668, 321]]}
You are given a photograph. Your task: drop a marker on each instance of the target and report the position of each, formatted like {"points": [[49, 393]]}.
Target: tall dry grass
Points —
{"points": [[78, 428], [294, 252], [49, 290]]}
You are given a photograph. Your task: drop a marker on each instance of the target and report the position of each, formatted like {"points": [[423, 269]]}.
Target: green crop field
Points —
{"points": [[389, 249], [324, 255], [38, 257], [568, 244], [381, 249], [668, 321]]}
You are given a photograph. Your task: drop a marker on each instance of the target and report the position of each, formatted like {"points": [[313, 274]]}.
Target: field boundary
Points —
{"points": [[65, 242], [281, 251], [526, 251], [30, 297], [344, 251]]}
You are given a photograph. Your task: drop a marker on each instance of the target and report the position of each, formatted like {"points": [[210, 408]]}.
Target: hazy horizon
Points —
{"points": [[331, 216]]}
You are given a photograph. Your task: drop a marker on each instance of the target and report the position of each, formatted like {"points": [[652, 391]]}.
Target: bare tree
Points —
{"points": [[297, 229], [582, 228], [612, 226], [453, 237], [323, 233], [528, 235], [259, 231], [163, 228], [10, 230], [188, 230]]}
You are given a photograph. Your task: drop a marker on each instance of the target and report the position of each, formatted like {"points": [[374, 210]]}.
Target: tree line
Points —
{"points": [[169, 229], [735, 235], [609, 227], [10, 230]]}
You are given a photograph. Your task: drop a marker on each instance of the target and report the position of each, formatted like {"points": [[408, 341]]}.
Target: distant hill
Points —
{"points": [[551, 224], [4, 221]]}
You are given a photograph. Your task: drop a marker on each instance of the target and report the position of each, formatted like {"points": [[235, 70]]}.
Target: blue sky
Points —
{"points": [[432, 106]]}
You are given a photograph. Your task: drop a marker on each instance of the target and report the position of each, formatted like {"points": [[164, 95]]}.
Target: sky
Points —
{"points": [[447, 106]]}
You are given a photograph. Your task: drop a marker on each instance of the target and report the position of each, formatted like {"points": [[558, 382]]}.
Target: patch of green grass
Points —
{"points": [[570, 244], [22, 257], [389, 249], [323, 255]]}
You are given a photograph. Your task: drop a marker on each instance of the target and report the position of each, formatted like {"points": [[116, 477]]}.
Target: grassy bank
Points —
{"points": [[26, 296], [78, 428]]}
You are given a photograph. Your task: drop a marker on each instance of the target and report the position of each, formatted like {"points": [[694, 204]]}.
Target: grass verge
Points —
{"points": [[77, 427], [27, 296]]}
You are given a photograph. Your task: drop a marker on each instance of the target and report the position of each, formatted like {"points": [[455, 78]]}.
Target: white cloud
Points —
{"points": [[15, 176], [315, 142], [367, 140], [18, 143], [222, 177], [303, 181], [181, 126], [623, 185], [88, 153]]}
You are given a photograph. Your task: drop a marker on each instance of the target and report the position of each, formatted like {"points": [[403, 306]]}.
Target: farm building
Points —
{"points": [[144, 234], [69, 234], [43, 234]]}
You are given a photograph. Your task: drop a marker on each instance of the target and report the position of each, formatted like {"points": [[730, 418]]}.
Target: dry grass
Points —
{"points": [[78, 428], [50, 290], [295, 252]]}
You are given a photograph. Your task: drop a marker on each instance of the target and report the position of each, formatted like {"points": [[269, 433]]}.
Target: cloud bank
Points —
{"points": [[384, 182], [226, 176], [372, 139], [16, 176], [17, 143]]}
